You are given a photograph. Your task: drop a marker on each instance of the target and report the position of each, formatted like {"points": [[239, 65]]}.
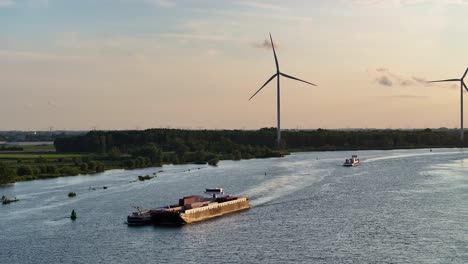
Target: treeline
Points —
{"points": [[173, 145], [250, 142], [103, 150], [7, 173], [153, 147], [220, 141], [322, 139]]}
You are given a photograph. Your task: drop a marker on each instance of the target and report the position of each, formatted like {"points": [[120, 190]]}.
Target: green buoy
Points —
{"points": [[73, 215]]}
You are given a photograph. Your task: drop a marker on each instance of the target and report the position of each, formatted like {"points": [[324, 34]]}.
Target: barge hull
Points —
{"points": [[215, 210], [200, 213]]}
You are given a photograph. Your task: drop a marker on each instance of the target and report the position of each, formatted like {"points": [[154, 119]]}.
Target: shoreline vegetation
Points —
{"points": [[98, 151]]}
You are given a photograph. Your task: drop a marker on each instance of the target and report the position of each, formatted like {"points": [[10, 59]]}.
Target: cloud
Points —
{"points": [[205, 37], [266, 44], [421, 80], [157, 3], [212, 52], [385, 81], [6, 3], [389, 79], [105, 44], [407, 96], [25, 3], [261, 5], [236, 14], [52, 104], [402, 96], [28, 55], [399, 3], [161, 3]]}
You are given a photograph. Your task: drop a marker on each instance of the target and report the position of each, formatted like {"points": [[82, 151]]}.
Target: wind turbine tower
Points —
{"points": [[462, 85], [278, 94]]}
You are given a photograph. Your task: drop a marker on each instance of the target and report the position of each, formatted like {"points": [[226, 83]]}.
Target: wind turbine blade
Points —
{"points": [[448, 80], [269, 80], [466, 72], [297, 79], [274, 53], [464, 85]]}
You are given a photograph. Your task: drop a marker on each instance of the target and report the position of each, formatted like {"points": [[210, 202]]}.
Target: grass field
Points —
{"points": [[41, 148]]}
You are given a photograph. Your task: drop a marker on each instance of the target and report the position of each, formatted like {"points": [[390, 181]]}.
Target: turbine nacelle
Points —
{"points": [[461, 80], [464, 75], [278, 73]]}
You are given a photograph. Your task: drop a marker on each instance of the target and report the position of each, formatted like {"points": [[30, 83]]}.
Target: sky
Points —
{"points": [[193, 64]]}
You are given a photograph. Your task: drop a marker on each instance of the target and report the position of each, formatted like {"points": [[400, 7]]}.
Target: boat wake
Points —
{"points": [[409, 156], [283, 185]]}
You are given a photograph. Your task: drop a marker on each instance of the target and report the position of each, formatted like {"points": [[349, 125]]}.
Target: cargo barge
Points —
{"points": [[195, 208], [139, 217]]}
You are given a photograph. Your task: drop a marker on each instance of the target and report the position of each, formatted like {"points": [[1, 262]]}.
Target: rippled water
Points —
{"points": [[401, 206]]}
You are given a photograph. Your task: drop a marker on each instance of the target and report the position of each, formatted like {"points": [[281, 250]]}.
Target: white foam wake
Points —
{"points": [[282, 185], [410, 155]]}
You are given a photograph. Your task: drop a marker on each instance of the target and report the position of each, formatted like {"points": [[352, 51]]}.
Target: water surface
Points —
{"points": [[400, 206]]}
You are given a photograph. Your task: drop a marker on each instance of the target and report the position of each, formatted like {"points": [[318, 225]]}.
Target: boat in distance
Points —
{"points": [[192, 209], [352, 162]]}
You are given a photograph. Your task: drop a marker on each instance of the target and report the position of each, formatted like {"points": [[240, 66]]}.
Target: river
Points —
{"points": [[399, 206]]}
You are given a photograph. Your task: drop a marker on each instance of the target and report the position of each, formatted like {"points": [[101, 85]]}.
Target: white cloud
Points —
{"points": [[206, 37], [161, 3], [107, 44], [28, 55], [212, 52], [6, 3], [25, 3], [404, 2], [266, 44], [389, 78], [157, 3], [262, 5]]}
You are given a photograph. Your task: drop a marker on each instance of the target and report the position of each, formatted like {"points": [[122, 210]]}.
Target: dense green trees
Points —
{"points": [[370, 139], [248, 142], [135, 149], [84, 167], [7, 173], [24, 170], [153, 147], [149, 151], [172, 145], [168, 140], [30, 167], [114, 153]]}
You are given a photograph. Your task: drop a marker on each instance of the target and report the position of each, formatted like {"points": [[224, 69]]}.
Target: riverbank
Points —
{"points": [[98, 151], [27, 166]]}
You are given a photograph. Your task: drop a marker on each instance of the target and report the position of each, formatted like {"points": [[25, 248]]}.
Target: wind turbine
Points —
{"points": [[462, 85], [277, 75]]}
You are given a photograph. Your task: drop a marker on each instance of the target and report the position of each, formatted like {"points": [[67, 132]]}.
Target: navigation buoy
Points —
{"points": [[73, 215]]}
